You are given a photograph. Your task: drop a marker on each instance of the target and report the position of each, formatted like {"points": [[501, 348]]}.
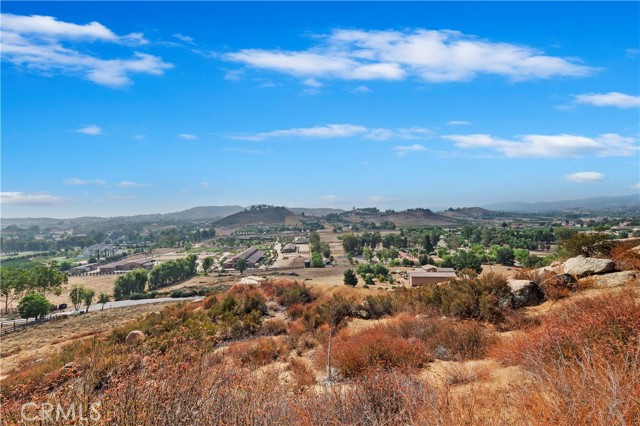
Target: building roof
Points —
{"points": [[425, 274], [256, 257]]}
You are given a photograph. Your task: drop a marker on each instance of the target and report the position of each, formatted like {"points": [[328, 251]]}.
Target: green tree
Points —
{"points": [[207, 263], [350, 278], [467, 260], [103, 299], [131, 282], [584, 244], [241, 265], [316, 260], [367, 253], [33, 305], [87, 298], [14, 282], [48, 279], [76, 296]]}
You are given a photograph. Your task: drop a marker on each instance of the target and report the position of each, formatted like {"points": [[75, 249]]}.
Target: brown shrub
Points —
{"points": [[257, 352], [625, 259], [359, 354]]}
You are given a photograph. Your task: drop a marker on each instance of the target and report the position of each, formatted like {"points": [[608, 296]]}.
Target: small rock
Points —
{"points": [[615, 279], [134, 336], [440, 352], [523, 293], [581, 266], [70, 365]]}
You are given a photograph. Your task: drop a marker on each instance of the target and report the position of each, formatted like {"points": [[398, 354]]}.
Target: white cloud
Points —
{"points": [[44, 44], [139, 137], [582, 177], [636, 186], [91, 129], [204, 184], [233, 75], [404, 134], [361, 89], [615, 99], [331, 131], [551, 146], [29, 198], [130, 184], [429, 55], [184, 38], [83, 182], [403, 150], [313, 83], [458, 123], [188, 136], [318, 132], [330, 198]]}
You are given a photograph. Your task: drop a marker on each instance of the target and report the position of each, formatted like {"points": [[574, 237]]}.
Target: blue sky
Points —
{"points": [[118, 108]]}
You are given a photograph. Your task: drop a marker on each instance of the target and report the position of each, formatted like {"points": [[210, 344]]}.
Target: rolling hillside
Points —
{"points": [[411, 217], [256, 215]]}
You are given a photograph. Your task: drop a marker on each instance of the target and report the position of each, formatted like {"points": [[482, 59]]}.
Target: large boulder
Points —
{"points": [[134, 337], [615, 279], [582, 266], [523, 293]]}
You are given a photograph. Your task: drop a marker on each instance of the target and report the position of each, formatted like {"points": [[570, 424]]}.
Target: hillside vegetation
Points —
{"points": [[461, 353]]}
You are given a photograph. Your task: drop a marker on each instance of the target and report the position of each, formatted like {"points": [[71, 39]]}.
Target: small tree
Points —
{"points": [[103, 299], [207, 263], [33, 305], [76, 295], [241, 265], [350, 278], [87, 298]]}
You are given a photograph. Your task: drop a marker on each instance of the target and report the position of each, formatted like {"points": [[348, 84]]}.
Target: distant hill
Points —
{"points": [[411, 217], [585, 204], [468, 213], [256, 215], [209, 213], [315, 212], [204, 213]]}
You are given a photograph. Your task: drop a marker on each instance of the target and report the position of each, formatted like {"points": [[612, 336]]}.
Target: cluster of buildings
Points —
{"points": [[252, 258], [114, 267]]}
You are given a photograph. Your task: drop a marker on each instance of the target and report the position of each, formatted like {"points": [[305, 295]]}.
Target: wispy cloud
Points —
{"points": [[333, 131], [184, 38], [458, 123], [379, 199], [318, 132], [551, 146], [611, 99], [187, 136], [582, 177], [83, 182], [403, 150], [636, 186], [30, 198], [429, 55], [130, 184], [91, 129], [361, 89], [45, 44]]}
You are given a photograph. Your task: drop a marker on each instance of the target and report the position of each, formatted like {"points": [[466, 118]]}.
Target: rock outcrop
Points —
{"points": [[134, 337], [582, 266], [615, 279], [523, 293]]}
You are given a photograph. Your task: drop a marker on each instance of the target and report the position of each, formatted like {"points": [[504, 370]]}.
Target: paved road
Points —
{"points": [[110, 305]]}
